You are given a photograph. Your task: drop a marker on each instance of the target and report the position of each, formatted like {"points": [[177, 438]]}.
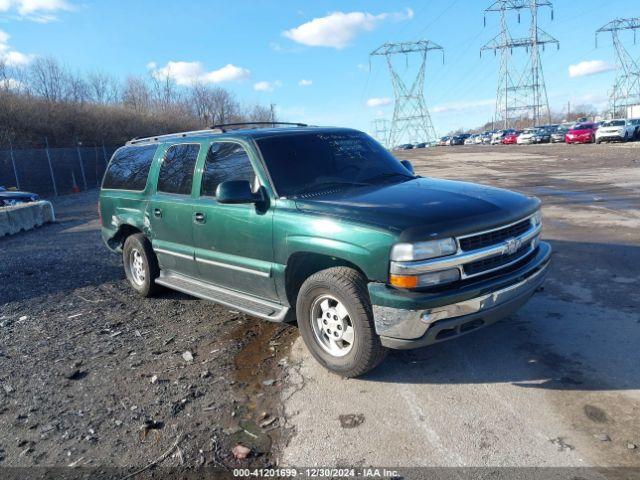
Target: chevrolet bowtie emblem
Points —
{"points": [[511, 246]]}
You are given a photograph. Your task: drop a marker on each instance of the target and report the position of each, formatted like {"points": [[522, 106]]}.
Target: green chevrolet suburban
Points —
{"points": [[323, 226]]}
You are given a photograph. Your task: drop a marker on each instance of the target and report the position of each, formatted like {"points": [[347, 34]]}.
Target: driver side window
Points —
{"points": [[225, 161]]}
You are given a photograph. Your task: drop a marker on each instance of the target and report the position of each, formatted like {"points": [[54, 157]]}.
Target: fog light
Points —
{"points": [[426, 279]]}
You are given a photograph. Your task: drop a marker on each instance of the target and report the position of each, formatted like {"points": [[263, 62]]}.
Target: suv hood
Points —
{"points": [[424, 207]]}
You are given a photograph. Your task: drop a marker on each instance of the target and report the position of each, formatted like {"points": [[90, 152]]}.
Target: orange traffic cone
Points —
{"points": [[74, 186]]}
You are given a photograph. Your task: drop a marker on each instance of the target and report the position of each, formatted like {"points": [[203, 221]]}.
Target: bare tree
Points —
{"points": [[47, 79], [136, 94], [103, 88]]}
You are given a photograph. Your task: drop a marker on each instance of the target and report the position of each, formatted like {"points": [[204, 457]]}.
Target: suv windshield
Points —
{"points": [[308, 162], [614, 123]]}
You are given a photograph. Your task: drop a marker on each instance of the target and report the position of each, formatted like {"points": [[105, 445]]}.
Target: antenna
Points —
{"points": [[411, 121]]}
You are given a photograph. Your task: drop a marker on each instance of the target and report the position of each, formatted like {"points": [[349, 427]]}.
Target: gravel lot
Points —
{"points": [[92, 375]]}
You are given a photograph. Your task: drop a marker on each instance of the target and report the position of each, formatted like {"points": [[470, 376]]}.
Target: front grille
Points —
{"points": [[487, 239], [487, 264]]}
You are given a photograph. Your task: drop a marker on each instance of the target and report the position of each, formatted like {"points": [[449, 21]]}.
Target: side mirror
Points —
{"points": [[408, 165], [235, 191]]}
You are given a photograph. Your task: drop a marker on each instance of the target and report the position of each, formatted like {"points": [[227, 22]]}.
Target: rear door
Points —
{"points": [[170, 208], [233, 243]]}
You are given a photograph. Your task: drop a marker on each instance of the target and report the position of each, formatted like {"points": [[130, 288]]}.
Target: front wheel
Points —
{"points": [[335, 319]]}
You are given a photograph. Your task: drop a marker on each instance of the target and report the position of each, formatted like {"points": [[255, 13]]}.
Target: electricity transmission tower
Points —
{"points": [[626, 89], [411, 121], [381, 131], [521, 92]]}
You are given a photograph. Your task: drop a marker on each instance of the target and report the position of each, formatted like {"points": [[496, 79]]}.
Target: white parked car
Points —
{"points": [[526, 136], [618, 129]]}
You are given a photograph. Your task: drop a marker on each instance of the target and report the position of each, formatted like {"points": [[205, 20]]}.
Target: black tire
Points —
{"points": [[598, 141], [349, 287], [139, 243]]}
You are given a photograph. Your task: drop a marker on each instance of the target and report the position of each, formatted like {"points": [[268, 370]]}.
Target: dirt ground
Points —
{"points": [[93, 375], [556, 385]]}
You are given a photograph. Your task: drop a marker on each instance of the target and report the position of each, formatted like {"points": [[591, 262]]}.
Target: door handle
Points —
{"points": [[199, 217], [157, 213]]}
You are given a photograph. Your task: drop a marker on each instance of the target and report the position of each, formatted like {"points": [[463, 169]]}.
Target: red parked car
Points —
{"points": [[584, 132], [511, 138]]}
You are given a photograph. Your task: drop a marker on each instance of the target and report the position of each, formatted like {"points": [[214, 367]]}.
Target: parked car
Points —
{"points": [[543, 134], [14, 197], [486, 137], [526, 136], [325, 226], [511, 138], [618, 129], [404, 146], [421, 145], [636, 128], [458, 139], [479, 137], [444, 141], [471, 140], [584, 132], [559, 136]]}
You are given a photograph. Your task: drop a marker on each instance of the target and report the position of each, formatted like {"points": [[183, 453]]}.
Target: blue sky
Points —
{"points": [[311, 58]]}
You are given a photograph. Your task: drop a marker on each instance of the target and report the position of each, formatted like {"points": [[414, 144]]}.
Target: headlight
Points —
{"points": [[426, 279], [408, 252], [536, 219]]}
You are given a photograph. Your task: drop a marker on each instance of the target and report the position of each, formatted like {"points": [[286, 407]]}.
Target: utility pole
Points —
{"points": [[626, 89], [380, 127], [520, 93], [411, 121]]}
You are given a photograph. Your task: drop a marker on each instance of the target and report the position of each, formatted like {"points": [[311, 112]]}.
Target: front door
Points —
{"points": [[233, 243], [170, 210]]}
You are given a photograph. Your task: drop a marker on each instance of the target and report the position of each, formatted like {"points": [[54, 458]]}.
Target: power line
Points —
{"points": [[411, 119], [520, 93], [626, 88]]}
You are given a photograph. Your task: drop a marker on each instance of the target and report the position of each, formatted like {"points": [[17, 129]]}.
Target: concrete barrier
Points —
{"points": [[25, 216]]}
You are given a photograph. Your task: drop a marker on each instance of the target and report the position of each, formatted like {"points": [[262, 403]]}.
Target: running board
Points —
{"points": [[248, 304]]}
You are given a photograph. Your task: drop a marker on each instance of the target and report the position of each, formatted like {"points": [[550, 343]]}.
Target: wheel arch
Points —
{"points": [[301, 265], [125, 230]]}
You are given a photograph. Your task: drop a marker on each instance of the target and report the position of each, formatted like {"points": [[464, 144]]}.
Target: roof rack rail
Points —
{"points": [[223, 126], [158, 138]]}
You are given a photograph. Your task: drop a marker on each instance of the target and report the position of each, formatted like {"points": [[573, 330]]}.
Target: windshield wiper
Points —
{"points": [[388, 175], [314, 187]]}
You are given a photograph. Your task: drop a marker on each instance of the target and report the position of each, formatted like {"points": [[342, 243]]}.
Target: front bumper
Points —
{"points": [[609, 137], [415, 319]]}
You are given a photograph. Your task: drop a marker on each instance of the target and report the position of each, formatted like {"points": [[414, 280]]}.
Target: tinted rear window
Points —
{"points": [[176, 172], [129, 168]]}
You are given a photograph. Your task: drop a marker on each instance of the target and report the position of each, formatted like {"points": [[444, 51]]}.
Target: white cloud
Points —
{"points": [[187, 73], [305, 83], [379, 102], [338, 29], [11, 84], [590, 67], [8, 55], [265, 86], [42, 11]]}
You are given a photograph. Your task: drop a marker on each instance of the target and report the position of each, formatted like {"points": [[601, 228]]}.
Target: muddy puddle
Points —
{"points": [[258, 417]]}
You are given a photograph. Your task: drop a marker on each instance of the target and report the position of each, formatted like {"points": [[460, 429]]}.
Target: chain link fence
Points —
{"points": [[54, 171]]}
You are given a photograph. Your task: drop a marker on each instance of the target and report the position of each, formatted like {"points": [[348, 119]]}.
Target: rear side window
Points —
{"points": [[129, 168], [176, 171], [225, 161]]}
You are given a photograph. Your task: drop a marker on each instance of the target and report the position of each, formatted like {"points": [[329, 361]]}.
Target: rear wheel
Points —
{"points": [[335, 318], [140, 264]]}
